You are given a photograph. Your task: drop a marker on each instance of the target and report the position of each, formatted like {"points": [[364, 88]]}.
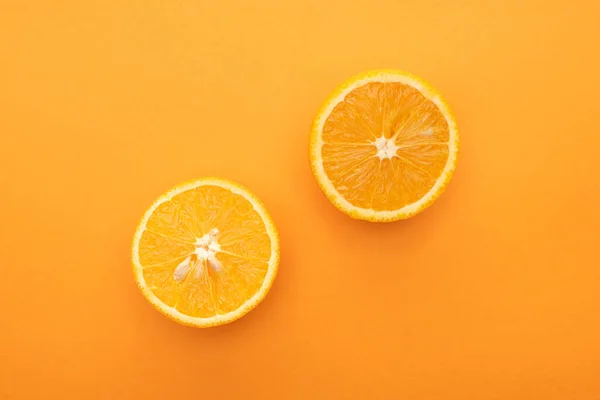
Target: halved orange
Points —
{"points": [[206, 252], [384, 146]]}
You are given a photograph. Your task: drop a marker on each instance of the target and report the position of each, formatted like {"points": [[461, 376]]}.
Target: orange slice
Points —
{"points": [[384, 146], [205, 253]]}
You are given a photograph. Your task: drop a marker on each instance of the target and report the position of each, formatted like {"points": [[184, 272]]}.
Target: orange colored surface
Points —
{"points": [[492, 293]]}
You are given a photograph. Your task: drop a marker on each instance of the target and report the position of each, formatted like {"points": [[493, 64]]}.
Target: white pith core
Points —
{"points": [[203, 257], [386, 148]]}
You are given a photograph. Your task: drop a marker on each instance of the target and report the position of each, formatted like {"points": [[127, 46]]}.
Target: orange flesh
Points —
{"points": [[170, 237], [389, 110]]}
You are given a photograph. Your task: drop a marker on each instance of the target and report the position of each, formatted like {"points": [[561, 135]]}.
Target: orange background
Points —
{"points": [[493, 293]]}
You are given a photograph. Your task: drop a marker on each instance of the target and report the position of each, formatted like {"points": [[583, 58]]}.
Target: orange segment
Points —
{"points": [[384, 146], [158, 250], [240, 279], [205, 253]]}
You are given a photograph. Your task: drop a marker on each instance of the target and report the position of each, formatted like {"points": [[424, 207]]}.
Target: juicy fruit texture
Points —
{"points": [[206, 253], [384, 146]]}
